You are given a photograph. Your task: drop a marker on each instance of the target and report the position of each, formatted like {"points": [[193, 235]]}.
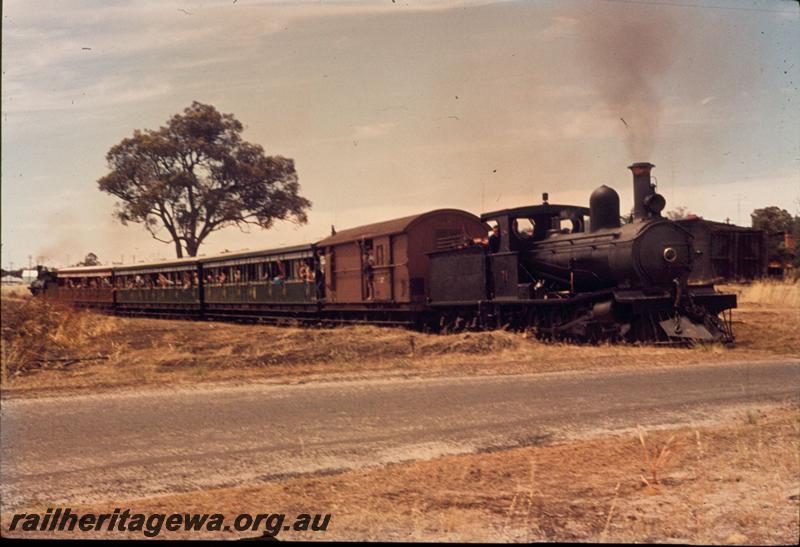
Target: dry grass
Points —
{"points": [[38, 335], [39, 339], [781, 294], [15, 291], [736, 482], [654, 459], [768, 316]]}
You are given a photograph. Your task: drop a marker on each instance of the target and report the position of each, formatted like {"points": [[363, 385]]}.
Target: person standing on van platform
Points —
{"points": [[494, 240], [369, 274]]}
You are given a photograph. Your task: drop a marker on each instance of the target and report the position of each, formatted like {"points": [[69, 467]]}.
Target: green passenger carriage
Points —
{"points": [[281, 281]]}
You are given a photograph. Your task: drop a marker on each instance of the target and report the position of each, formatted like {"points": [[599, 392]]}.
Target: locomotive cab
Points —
{"points": [[521, 228]]}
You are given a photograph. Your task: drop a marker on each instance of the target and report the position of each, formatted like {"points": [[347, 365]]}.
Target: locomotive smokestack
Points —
{"points": [[646, 202]]}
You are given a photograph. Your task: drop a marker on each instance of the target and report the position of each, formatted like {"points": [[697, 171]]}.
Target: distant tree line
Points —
{"points": [[776, 221]]}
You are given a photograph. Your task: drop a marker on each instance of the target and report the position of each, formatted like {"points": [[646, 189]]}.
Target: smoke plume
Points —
{"points": [[627, 55]]}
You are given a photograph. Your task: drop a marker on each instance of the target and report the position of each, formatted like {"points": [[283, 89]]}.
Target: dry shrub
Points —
{"points": [[38, 334]]}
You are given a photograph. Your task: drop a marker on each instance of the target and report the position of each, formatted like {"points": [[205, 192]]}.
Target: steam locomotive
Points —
{"points": [[569, 277], [564, 272]]}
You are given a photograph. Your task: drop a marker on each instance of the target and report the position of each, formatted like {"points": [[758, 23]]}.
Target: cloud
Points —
{"points": [[372, 130], [126, 52], [113, 90], [560, 27]]}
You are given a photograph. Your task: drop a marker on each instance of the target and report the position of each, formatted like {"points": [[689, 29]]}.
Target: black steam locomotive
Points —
{"points": [[569, 277], [565, 272]]}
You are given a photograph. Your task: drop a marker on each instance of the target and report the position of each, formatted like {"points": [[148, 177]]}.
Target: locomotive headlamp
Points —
{"points": [[670, 254], [655, 203]]}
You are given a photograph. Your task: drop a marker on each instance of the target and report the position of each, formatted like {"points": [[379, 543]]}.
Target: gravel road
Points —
{"points": [[79, 449]]}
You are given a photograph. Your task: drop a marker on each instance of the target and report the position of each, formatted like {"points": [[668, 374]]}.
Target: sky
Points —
{"points": [[391, 108]]}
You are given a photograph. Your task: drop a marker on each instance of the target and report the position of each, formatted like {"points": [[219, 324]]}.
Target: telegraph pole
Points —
{"points": [[739, 209]]}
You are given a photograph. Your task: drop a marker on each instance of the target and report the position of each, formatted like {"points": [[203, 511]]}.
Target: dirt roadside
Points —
{"points": [[737, 482]]}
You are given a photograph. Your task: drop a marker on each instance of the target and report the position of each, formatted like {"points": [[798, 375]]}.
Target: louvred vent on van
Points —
{"points": [[449, 239]]}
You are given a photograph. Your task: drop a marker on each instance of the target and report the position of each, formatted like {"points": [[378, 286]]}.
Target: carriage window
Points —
{"points": [[523, 227], [277, 269], [379, 257]]}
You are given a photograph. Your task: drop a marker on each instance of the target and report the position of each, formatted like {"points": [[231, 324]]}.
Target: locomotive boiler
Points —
{"points": [[648, 252]]}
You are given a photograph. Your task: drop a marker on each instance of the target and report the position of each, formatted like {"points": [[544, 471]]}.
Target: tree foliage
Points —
{"points": [[679, 213], [90, 260], [774, 220], [197, 175]]}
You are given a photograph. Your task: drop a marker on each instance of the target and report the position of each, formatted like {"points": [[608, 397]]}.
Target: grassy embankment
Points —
{"points": [[47, 347]]}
